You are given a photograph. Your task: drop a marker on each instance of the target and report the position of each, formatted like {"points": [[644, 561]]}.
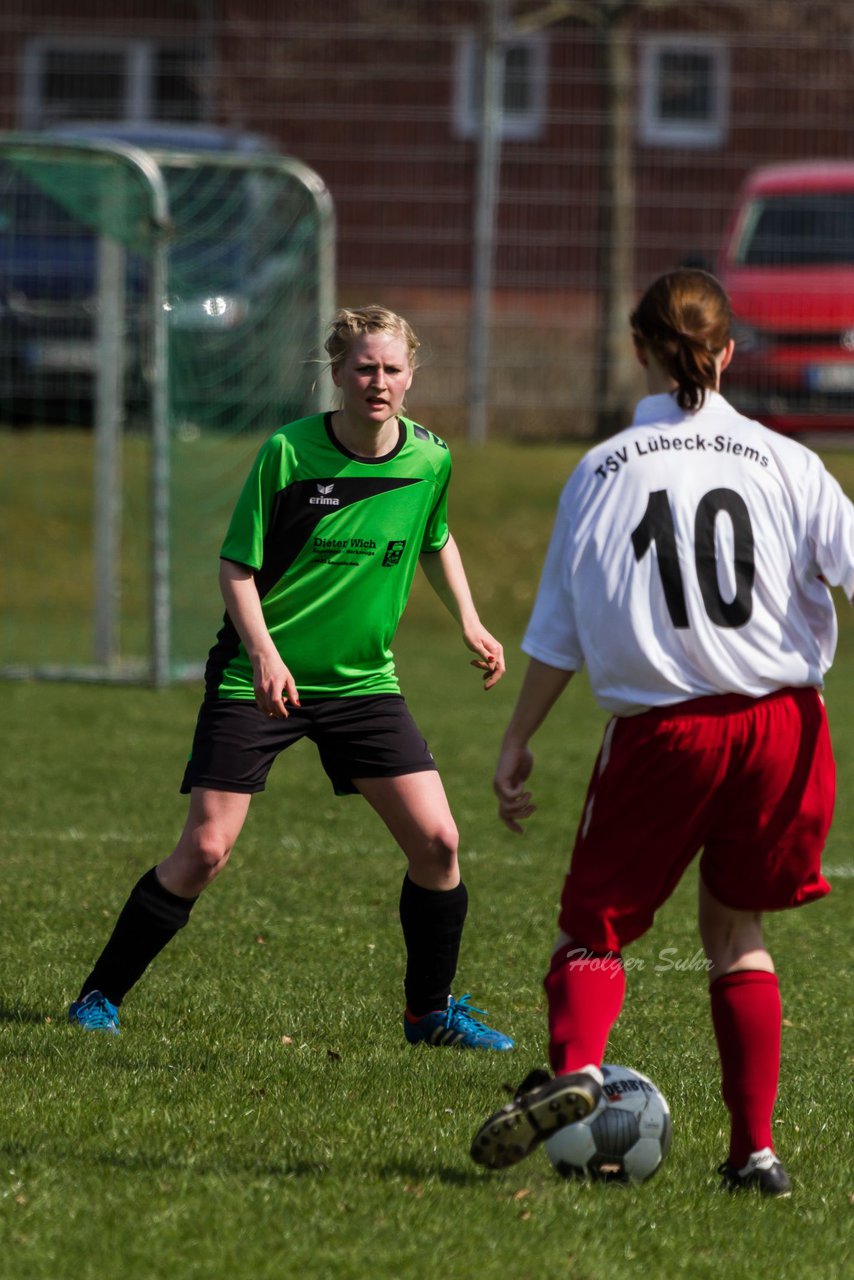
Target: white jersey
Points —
{"points": [[692, 554]]}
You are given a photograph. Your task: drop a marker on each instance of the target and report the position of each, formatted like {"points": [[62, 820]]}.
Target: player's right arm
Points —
{"points": [[541, 688], [272, 680]]}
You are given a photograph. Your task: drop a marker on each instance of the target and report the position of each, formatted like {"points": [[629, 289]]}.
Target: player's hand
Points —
{"points": [[274, 686], [512, 772], [490, 659]]}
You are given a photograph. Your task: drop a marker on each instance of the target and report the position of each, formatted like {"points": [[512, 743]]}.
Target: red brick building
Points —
{"points": [[381, 98]]}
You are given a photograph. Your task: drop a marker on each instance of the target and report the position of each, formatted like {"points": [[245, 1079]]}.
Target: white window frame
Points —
{"points": [[516, 126], [140, 58], [657, 132]]}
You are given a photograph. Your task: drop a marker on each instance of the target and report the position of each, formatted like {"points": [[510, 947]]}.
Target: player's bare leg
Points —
{"points": [[415, 809], [214, 821], [732, 940]]}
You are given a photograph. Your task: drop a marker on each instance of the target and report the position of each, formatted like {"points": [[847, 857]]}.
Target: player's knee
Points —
{"points": [[442, 846], [209, 852]]}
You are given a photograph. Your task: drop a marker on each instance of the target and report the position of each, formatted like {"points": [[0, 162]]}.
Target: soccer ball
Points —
{"points": [[624, 1140]]}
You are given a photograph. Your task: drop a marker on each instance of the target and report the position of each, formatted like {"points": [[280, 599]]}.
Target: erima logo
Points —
{"points": [[324, 500]]}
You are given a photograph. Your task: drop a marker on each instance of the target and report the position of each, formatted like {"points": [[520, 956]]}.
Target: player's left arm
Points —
{"points": [[445, 572]]}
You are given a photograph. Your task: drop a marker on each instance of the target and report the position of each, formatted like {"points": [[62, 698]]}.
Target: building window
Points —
{"points": [[524, 104], [684, 89], [110, 79]]}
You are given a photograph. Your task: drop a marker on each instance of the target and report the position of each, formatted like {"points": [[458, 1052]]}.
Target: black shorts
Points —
{"points": [[235, 744]]}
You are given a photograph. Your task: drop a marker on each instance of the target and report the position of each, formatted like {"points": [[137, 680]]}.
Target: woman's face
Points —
{"points": [[374, 378]]}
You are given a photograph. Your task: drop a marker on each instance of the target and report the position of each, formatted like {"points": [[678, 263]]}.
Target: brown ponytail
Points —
{"points": [[684, 318]]}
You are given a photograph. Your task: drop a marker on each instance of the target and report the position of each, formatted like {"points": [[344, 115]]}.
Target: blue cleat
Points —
{"points": [[455, 1026], [95, 1013]]}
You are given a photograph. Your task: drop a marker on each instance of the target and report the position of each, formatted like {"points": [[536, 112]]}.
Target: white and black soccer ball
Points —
{"points": [[624, 1140]]}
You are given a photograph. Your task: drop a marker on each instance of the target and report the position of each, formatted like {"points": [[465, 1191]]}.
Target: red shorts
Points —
{"points": [[750, 781]]}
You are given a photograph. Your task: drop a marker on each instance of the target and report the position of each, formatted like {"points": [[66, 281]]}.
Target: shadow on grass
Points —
{"points": [[11, 1012], [140, 1162], [445, 1174]]}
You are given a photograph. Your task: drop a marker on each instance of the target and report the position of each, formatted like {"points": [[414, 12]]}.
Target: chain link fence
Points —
{"points": [[164, 313], [508, 174]]}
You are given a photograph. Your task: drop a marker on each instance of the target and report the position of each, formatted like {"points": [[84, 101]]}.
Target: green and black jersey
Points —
{"points": [[334, 541]]}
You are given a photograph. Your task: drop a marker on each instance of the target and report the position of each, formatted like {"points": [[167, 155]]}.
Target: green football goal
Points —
{"points": [[161, 312]]}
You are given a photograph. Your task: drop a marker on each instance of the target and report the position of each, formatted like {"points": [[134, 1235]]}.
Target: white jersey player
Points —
{"points": [[690, 556], [689, 572]]}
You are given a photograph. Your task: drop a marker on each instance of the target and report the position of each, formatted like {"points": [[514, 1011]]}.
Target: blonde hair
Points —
{"points": [[684, 318], [347, 325]]}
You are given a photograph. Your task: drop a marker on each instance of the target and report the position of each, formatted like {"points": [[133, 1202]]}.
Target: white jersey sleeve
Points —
{"points": [[830, 531], [551, 636], [692, 555]]}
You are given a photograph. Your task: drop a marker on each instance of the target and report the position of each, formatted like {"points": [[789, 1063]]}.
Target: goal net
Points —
{"points": [[163, 313]]}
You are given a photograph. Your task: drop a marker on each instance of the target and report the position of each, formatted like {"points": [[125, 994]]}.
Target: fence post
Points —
{"points": [[109, 423], [161, 481], [485, 213]]}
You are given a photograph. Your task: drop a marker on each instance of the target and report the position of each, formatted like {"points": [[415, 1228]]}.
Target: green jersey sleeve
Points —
{"points": [[250, 520], [437, 532]]}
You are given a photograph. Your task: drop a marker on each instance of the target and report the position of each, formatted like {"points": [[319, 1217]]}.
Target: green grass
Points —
{"points": [[261, 1116]]}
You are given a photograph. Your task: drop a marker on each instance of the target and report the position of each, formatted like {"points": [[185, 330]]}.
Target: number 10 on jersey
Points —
{"points": [[657, 527]]}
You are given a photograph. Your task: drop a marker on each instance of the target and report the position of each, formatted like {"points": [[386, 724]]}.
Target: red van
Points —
{"points": [[788, 266]]}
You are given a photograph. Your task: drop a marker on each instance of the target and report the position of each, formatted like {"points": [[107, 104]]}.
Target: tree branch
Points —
{"points": [[595, 15]]}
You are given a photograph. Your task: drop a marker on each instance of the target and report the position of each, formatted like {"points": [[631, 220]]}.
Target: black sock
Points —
{"points": [[148, 920], [432, 921]]}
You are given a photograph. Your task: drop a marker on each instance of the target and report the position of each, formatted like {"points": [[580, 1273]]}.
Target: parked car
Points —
{"points": [[788, 266], [237, 262]]}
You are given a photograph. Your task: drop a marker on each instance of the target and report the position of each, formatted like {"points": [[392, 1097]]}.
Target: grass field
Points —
{"points": [[261, 1115]]}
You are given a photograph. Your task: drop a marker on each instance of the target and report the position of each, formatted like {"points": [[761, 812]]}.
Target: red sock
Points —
{"points": [[585, 994], [747, 1018]]}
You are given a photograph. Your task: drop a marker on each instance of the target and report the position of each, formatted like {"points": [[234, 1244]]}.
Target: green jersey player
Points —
{"points": [[335, 515]]}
